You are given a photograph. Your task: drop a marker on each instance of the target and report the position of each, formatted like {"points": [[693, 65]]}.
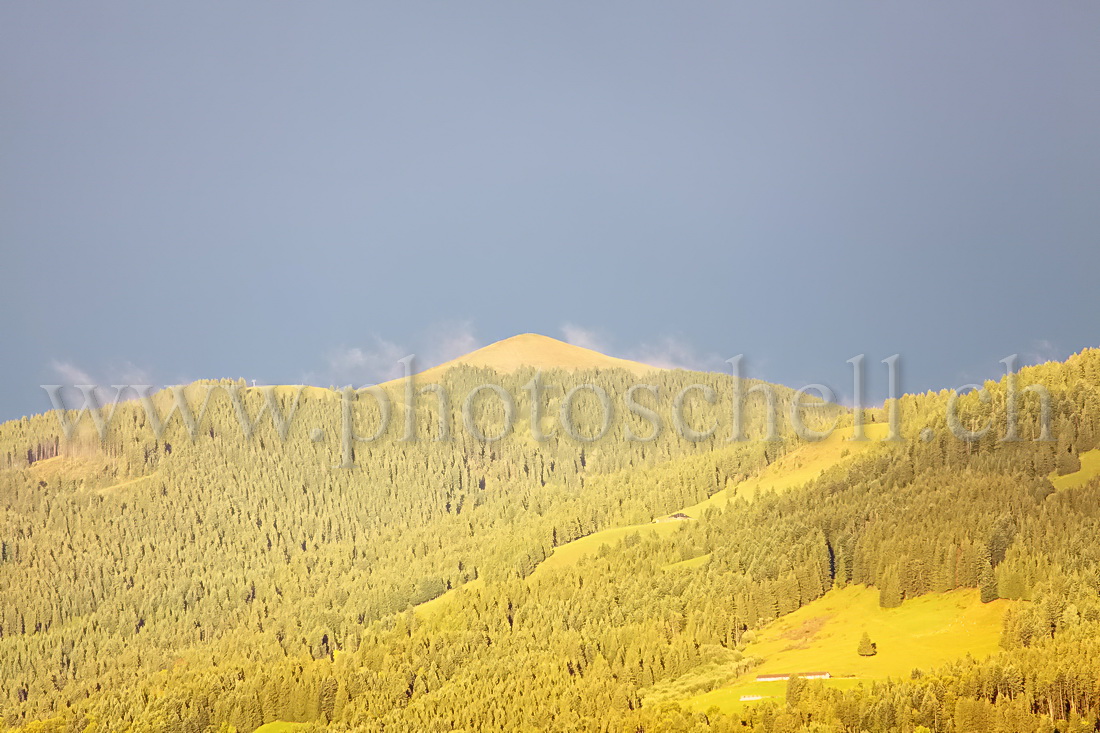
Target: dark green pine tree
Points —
{"points": [[867, 648]]}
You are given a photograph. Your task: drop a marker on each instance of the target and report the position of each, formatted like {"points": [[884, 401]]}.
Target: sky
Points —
{"points": [[293, 192]]}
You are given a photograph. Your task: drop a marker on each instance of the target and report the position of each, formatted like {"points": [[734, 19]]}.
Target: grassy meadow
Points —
{"points": [[823, 636]]}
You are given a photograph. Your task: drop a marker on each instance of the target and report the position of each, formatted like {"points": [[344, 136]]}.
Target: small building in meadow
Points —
{"points": [[787, 675]]}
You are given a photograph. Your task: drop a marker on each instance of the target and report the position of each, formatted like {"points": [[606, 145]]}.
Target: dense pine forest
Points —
{"points": [[215, 578]]}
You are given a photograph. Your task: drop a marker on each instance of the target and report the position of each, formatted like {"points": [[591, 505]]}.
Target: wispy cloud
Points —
{"points": [[671, 352], [449, 341], [583, 337], [357, 365], [125, 372], [1040, 352], [379, 360], [70, 374], [667, 352]]}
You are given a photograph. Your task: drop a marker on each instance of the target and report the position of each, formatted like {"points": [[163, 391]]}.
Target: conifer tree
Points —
{"points": [[867, 648]]}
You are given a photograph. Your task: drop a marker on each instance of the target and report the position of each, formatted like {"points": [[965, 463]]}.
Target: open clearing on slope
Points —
{"points": [[795, 469], [72, 468], [84, 473], [571, 552], [1090, 469], [798, 467], [563, 556], [823, 637], [130, 482], [279, 727], [694, 562], [433, 608]]}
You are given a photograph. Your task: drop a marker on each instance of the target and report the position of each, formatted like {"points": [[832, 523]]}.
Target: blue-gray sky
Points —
{"points": [[302, 191]]}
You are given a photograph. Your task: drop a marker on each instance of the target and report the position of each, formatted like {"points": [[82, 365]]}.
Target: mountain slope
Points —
{"points": [[540, 352], [180, 584]]}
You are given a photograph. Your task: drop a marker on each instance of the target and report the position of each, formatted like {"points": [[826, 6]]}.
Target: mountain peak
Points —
{"points": [[542, 352]]}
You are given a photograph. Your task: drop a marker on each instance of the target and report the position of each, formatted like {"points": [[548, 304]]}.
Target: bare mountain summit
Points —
{"points": [[541, 352]]}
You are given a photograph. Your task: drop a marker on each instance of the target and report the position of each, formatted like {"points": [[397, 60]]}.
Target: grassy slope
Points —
{"points": [[796, 468], [125, 484], [694, 562], [86, 471], [1090, 469], [823, 637], [433, 608], [563, 556], [571, 552], [279, 727], [71, 468], [792, 470]]}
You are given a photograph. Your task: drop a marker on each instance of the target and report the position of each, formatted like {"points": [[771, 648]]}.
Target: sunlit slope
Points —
{"points": [[571, 552], [84, 473], [823, 637], [72, 468], [280, 727], [1090, 469], [690, 564], [563, 556], [434, 608], [797, 468], [539, 352]]}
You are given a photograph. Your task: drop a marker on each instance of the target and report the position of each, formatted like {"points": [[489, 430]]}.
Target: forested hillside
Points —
{"points": [[219, 581]]}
